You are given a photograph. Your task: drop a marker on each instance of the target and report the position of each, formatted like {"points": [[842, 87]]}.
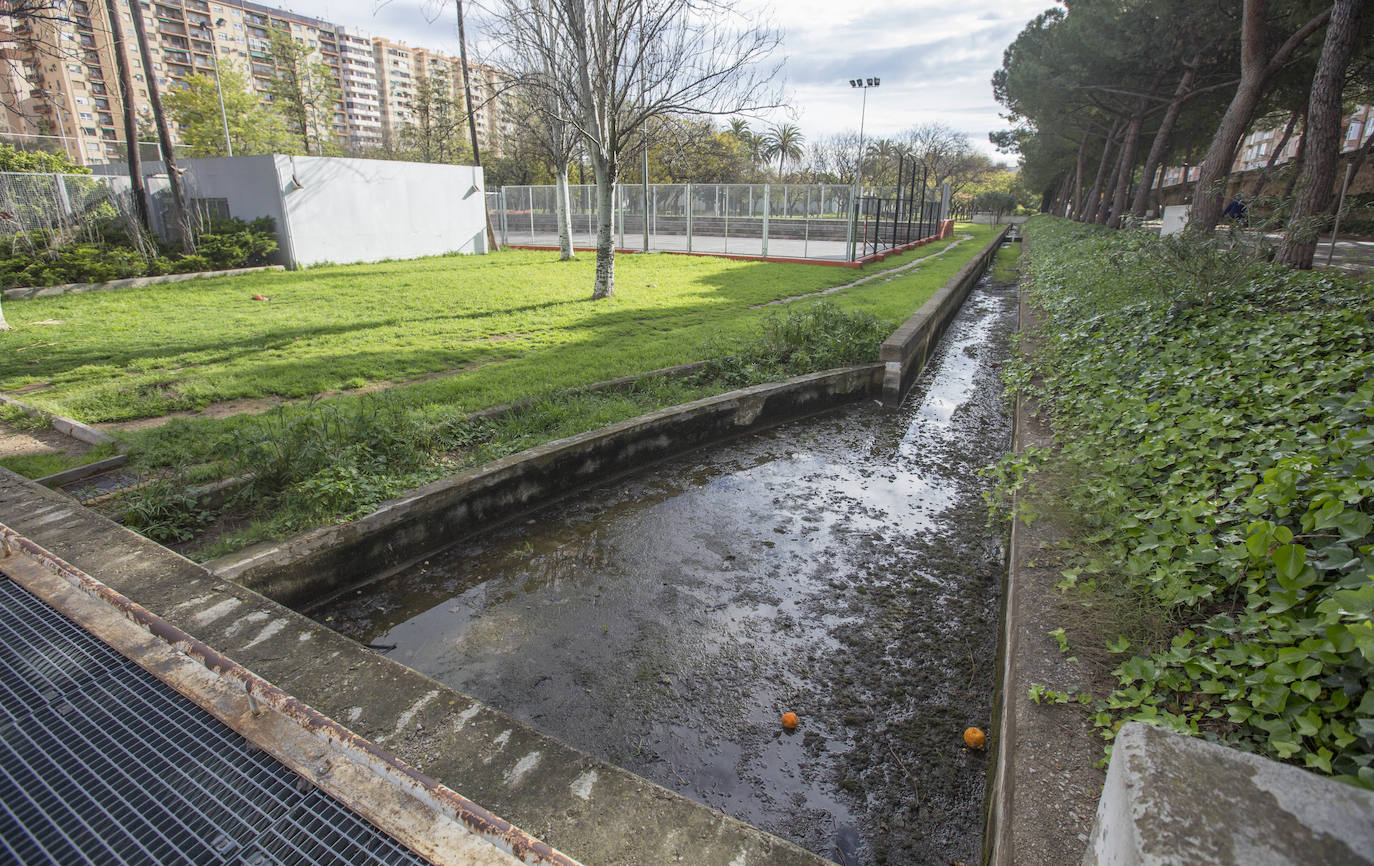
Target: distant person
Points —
{"points": [[1235, 210]]}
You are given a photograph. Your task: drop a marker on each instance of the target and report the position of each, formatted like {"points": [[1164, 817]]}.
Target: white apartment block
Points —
{"points": [[62, 77]]}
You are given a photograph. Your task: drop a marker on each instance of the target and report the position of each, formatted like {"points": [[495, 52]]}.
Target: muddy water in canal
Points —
{"points": [[839, 567]]}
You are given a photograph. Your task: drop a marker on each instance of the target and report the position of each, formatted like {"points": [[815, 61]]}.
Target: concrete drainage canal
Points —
{"points": [[839, 567]]}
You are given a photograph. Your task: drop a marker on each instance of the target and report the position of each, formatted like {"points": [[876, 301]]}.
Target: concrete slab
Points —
{"points": [[1171, 798]]}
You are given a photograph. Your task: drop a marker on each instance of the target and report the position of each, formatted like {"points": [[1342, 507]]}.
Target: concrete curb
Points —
{"points": [[313, 564], [27, 292], [61, 424], [78, 473], [905, 353]]}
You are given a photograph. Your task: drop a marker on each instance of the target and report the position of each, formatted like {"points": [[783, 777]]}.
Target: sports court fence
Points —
{"points": [[803, 221]]}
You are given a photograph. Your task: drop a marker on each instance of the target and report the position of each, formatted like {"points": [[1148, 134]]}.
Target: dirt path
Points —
{"points": [[16, 442]]}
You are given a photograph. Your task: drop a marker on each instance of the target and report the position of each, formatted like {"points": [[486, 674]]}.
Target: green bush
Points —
{"points": [[233, 243], [229, 243]]}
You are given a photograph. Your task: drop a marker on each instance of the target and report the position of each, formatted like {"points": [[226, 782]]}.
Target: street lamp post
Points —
{"points": [[219, 89], [862, 84]]}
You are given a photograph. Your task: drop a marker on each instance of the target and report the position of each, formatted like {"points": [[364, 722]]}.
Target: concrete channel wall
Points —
{"points": [[311, 565], [905, 353]]}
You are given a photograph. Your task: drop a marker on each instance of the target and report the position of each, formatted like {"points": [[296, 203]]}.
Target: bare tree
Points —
{"points": [[636, 60], [543, 64]]}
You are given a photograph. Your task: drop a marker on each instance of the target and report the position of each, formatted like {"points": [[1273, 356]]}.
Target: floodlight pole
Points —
{"points": [[862, 84], [219, 88]]}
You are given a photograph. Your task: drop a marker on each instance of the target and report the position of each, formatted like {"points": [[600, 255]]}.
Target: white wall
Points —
{"points": [[363, 210], [350, 210]]}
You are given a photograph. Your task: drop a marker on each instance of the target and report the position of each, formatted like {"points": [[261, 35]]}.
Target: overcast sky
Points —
{"points": [[935, 57]]}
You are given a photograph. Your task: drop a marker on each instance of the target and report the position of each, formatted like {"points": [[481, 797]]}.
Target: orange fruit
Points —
{"points": [[974, 738], [789, 720]]}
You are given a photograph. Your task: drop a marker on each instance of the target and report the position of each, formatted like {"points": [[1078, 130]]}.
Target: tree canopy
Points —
{"points": [[253, 127]]}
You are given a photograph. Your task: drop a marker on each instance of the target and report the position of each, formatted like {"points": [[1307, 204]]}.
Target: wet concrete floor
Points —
{"points": [[839, 567]]}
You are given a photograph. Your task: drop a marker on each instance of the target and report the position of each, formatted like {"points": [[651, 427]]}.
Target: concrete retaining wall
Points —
{"points": [[1171, 798], [308, 566], [904, 354]]}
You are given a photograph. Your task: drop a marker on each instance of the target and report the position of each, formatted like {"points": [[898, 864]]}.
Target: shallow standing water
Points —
{"points": [[838, 567]]}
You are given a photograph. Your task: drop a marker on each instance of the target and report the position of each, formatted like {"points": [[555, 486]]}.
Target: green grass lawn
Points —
{"points": [[507, 326], [439, 338]]}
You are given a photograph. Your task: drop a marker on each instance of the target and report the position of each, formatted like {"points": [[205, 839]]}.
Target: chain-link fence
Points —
{"points": [[48, 211], [803, 221]]}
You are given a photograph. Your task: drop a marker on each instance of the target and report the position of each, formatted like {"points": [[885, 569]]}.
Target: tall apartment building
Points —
{"points": [[62, 79], [399, 67]]}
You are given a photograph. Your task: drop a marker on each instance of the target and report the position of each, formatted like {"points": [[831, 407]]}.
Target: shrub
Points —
{"points": [[232, 243]]}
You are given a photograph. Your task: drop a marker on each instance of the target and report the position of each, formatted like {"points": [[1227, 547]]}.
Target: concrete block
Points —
{"points": [[1175, 219], [1174, 799]]}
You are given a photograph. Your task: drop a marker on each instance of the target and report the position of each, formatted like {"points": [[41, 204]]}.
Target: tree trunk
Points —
{"points": [[604, 287], [1104, 204], [1123, 180], [565, 244], [4, 326], [1274, 157], [126, 92], [1160, 145], [1088, 206], [472, 118], [1255, 68], [164, 136], [1324, 121], [1076, 191]]}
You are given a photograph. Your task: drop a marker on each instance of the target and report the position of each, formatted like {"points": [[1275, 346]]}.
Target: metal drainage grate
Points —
{"points": [[102, 763]]}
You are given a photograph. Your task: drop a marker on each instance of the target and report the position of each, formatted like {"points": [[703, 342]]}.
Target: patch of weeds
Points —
{"points": [[165, 511], [819, 337], [17, 418]]}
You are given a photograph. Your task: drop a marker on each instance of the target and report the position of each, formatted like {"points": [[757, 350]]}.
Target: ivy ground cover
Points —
{"points": [[1214, 464]]}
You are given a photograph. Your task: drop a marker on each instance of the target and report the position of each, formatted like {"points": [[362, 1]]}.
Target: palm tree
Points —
{"points": [[882, 152], [783, 141]]}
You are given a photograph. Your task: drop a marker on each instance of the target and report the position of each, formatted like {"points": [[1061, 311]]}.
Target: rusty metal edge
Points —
{"points": [[495, 830]]}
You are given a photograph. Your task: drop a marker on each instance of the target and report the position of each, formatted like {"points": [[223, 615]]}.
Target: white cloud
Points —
{"points": [[935, 58]]}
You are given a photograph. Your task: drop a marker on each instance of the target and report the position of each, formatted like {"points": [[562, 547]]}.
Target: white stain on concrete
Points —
{"points": [[267, 633], [522, 768], [404, 718], [195, 602], [216, 611], [355, 713], [305, 636], [466, 716], [498, 744], [242, 623], [56, 515], [582, 786], [740, 859]]}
